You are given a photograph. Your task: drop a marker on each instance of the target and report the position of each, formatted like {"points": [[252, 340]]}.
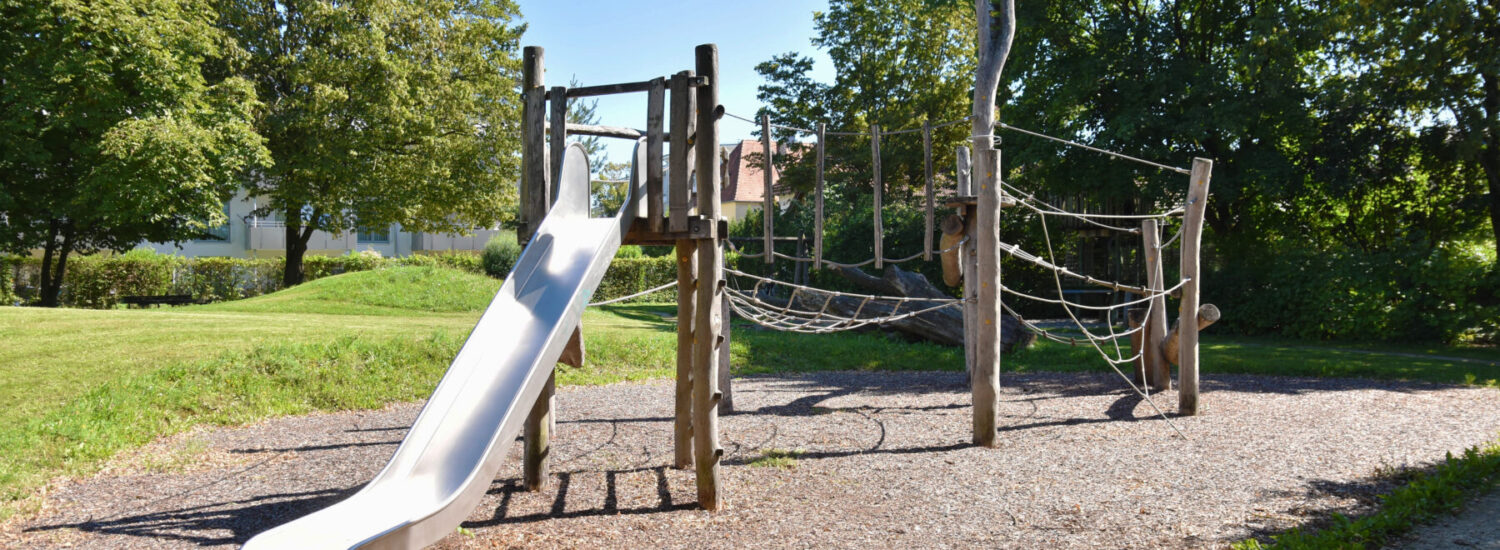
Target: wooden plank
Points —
{"points": [[656, 99], [706, 450], [604, 131], [1158, 374], [818, 203], [1192, 239], [986, 380], [534, 174], [681, 153], [682, 425], [927, 190], [559, 137], [879, 187], [698, 228], [768, 194]]}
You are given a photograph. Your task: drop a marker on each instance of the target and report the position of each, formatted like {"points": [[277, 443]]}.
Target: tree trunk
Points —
{"points": [[1489, 155], [52, 274], [296, 248]]}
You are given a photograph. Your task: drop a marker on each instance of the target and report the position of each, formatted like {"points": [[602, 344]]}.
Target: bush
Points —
{"points": [[500, 255], [628, 276], [216, 279], [9, 267], [100, 281]]}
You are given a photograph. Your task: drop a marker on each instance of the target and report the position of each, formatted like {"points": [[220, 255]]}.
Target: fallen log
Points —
{"points": [[1208, 314]]}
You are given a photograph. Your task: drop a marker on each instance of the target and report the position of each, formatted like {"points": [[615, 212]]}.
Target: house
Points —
{"points": [[743, 178], [247, 236]]}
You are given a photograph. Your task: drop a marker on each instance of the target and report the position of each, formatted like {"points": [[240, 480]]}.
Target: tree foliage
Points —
{"points": [[112, 132], [381, 112]]}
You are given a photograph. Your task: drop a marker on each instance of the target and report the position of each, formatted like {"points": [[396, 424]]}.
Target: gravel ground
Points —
{"points": [[884, 460]]}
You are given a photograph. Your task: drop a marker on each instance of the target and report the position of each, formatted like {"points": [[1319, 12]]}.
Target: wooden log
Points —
{"points": [[962, 174], [558, 132], [927, 190], [682, 425], [768, 207], [986, 378], [879, 188], [818, 203], [609, 89], [970, 262], [1192, 239], [953, 233], [1208, 314], [706, 450], [726, 403], [1135, 317], [533, 193], [681, 156], [1158, 374], [656, 99], [538, 439]]}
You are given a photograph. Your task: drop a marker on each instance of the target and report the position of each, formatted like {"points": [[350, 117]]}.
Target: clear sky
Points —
{"points": [[606, 42]]}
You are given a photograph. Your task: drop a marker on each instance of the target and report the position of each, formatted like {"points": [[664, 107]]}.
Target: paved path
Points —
{"points": [[1478, 526]]}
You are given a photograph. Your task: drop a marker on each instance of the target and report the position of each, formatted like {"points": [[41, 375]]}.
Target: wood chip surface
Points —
{"points": [[879, 460]]}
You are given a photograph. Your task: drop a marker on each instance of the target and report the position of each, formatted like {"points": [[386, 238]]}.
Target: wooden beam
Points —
{"points": [[682, 424], [1208, 314], [708, 315], [535, 190], [768, 207], [656, 99], [1158, 374], [962, 173], [879, 187], [927, 189], [726, 388], [986, 378], [818, 203], [1192, 239], [559, 136], [1134, 318], [698, 228], [681, 156], [953, 233]]}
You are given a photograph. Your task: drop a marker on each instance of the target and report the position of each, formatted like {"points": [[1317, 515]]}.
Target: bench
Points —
{"points": [[167, 299]]}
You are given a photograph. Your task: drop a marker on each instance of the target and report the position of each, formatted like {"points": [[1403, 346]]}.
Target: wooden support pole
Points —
{"points": [[1192, 238], [706, 450], [879, 188], [687, 295], [986, 377], [559, 140], [726, 388], [768, 209], [537, 199], [1208, 314], [1135, 317], [927, 191], [1158, 374], [681, 152], [970, 262], [962, 173], [818, 203], [655, 112]]}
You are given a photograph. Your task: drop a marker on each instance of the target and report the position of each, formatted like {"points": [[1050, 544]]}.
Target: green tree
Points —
{"points": [[381, 112], [112, 133]]}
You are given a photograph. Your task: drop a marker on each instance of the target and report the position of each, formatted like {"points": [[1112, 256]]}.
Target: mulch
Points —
{"points": [[881, 459]]}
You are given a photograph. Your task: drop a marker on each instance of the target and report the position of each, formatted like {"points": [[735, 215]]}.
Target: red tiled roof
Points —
{"points": [[745, 181]]}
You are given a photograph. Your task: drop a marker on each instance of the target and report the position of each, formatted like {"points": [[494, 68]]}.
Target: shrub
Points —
{"points": [[9, 267], [629, 251], [100, 281], [500, 255], [628, 276]]}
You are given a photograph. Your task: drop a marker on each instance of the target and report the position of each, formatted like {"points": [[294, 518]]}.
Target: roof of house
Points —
{"points": [[745, 180]]}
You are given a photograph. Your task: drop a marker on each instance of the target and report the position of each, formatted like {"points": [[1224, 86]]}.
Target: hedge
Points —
{"points": [[99, 281]]}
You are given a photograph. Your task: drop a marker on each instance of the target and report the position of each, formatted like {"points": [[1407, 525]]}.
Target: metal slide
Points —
{"points": [[454, 449]]}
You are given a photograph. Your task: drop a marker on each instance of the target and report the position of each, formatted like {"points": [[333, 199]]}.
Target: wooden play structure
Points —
{"points": [[680, 143]]}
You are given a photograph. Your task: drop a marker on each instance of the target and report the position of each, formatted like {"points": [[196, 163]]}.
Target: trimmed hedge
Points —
{"points": [[100, 281]]}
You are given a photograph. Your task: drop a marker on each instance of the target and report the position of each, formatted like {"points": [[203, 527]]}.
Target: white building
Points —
{"points": [[247, 236]]}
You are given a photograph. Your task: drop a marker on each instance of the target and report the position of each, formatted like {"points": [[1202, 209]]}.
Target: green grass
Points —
{"points": [[1442, 489], [776, 458]]}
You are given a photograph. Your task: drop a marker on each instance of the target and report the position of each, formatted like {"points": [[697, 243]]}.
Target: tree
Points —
{"points": [[113, 134], [381, 112]]}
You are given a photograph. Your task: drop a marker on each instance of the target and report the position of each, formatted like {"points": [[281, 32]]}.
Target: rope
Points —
{"points": [[1112, 154], [636, 295], [833, 133]]}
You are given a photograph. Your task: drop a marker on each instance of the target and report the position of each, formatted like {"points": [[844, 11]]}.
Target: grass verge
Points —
{"points": [[1443, 489]]}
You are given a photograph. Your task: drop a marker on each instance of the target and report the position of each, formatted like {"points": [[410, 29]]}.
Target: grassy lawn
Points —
{"points": [[78, 386]]}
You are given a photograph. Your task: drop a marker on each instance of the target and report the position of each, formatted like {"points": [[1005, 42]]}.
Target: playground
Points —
{"points": [[838, 459]]}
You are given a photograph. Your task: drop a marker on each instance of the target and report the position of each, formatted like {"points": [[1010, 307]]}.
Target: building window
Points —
{"points": [[378, 235], [217, 232]]}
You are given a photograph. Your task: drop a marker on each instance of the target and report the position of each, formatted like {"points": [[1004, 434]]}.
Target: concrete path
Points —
{"points": [[1478, 526]]}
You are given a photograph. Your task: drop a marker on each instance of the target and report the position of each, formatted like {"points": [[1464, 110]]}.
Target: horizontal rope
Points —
{"points": [[636, 295], [1091, 148]]}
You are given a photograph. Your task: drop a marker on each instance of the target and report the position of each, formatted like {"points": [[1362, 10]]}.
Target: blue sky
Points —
{"points": [[604, 42]]}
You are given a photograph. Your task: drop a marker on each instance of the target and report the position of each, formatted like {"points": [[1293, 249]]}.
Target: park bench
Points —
{"points": [[166, 299]]}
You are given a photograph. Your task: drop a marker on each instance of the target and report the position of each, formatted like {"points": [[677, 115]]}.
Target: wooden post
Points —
{"points": [[559, 139], [655, 112], [1208, 314], [970, 270], [1135, 317], [818, 204], [927, 179], [879, 189], [961, 175], [681, 155], [687, 282], [706, 451], [986, 377], [726, 405], [1192, 238], [768, 210], [534, 205], [799, 275], [1158, 374]]}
